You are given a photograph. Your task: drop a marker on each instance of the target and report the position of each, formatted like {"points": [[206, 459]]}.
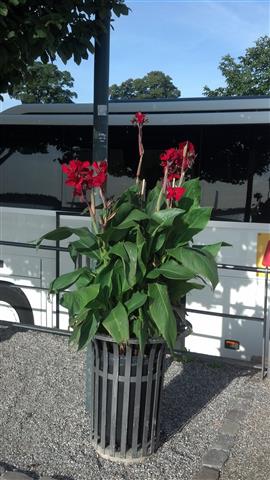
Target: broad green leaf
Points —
{"points": [[166, 217], [122, 212], [104, 277], [198, 261], [131, 250], [76, 301], [136, 301], [161, 313], [140, 329], [213, 249], [88, 329], [116, 323], [188, 225], [119, 250], [192, 194], [179, 288], [61, 233], [140, 242], [68, 279], [171, 270], [152, 198], [130, 221]]}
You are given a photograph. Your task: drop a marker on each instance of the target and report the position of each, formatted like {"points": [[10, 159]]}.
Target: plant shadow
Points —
{"points": [[30, 472], [191, 390]]}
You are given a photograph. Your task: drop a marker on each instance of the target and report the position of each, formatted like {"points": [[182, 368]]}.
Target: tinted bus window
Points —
{"points": [[29, 166], [233, 168]]}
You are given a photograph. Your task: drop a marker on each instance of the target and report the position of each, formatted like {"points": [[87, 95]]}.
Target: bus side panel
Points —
{"points": [[28, 267], [238, 293]]}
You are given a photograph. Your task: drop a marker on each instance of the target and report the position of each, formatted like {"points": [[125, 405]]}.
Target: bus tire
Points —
{"points": [[16, 298]]}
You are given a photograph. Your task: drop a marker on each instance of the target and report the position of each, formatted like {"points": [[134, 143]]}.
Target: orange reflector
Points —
{"points": [[232, 344]]}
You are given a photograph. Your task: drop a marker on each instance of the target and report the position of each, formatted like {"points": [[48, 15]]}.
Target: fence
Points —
{"points": [[265, 362]]}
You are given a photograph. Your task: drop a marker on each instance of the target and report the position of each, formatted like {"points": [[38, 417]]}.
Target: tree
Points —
{"points": [[44, 83], [31, 30], [249, 76], [153, 85]]}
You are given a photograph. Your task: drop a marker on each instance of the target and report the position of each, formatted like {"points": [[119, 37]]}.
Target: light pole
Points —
{"points": [[101, 92]]}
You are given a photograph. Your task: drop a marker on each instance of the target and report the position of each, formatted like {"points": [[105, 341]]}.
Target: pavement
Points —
{"points": [[215, 419]]}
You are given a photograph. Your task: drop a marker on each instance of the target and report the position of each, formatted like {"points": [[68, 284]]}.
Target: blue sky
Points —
{"points": [[184, 38]]}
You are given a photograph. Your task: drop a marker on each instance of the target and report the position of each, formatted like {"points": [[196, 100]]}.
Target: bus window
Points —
{"points": [[260, 198], [29, 169], [224, 170]]}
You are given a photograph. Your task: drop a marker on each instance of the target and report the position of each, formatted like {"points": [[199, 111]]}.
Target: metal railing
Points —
{"points": [[265, 320]]}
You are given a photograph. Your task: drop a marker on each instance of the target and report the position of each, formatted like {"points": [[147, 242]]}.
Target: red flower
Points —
{"points": [[82, 176], [100, 169], [175, 193], [187, 151], [77, 175], [139, 119], [170, 156]]}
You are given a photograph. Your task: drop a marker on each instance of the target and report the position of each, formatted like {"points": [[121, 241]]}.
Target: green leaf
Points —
{"points": [[88, 329], [68, 279], [116, 323], [161, 313], [140, 243], [192, 194], [136, 301], [187, 226], [166, 217], [3, 9], [119, 250], [133, 217], [152, 198], [172, 270], [131, 250], [214, 248], [140, 328], [61, 233], [199, 262], [179, 288], [76, 301]]}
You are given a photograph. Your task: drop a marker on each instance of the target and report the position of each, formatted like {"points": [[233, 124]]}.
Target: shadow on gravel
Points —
{"points": [[7, 332], [31, 473], [191, 390]]}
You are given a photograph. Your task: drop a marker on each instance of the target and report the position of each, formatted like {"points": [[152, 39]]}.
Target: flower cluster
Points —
{"points": [[82, 176], [175, 162], [139, 119]]}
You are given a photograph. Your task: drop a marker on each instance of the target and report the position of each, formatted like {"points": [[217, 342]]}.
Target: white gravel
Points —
{"points": [[44, 429]]}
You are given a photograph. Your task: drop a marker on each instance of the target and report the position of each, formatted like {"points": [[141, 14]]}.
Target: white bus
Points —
{"points": [[231, 136]]}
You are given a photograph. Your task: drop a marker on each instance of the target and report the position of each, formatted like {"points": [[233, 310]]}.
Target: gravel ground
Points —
{"points": [[250, 457], [44, 429]]}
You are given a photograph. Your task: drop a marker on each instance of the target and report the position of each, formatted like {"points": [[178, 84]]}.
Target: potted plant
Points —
{"points": [[125, 308]]}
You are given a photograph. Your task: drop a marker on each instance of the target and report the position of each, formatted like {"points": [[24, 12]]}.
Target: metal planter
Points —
{"points": [[123, 390]]}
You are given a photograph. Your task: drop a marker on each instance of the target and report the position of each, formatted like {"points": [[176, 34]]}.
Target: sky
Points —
{"points": [[185, 39]]}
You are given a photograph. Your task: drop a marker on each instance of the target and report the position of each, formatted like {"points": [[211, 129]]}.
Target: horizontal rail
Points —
{"points": [[226, 315], [224, 266]]}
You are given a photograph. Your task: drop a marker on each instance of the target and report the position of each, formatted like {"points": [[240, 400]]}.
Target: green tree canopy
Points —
{"points": [[31, 30], [153, 85], [250, 75], [44, 83]]}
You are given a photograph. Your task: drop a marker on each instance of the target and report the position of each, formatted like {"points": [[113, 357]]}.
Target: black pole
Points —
{"points": [[101, 93]]}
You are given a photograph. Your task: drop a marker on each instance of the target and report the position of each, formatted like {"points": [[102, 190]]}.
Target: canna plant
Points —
{"points": [[141, 247]]}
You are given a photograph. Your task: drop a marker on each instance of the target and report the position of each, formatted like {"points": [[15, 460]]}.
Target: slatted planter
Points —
{"points": [[123, 391]]}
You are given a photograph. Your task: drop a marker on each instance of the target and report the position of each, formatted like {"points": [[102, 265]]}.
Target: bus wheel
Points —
{"points": [[15, 297]]}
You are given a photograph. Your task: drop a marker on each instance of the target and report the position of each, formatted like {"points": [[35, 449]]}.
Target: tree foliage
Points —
{"points": [[153, 85], [249, 76], [31, 30], [44, 83]]}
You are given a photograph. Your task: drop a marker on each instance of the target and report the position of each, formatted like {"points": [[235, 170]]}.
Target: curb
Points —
{"points": [[215, 458]]}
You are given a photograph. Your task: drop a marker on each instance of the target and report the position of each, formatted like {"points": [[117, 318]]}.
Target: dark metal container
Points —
{"points": [[123, 391]]}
